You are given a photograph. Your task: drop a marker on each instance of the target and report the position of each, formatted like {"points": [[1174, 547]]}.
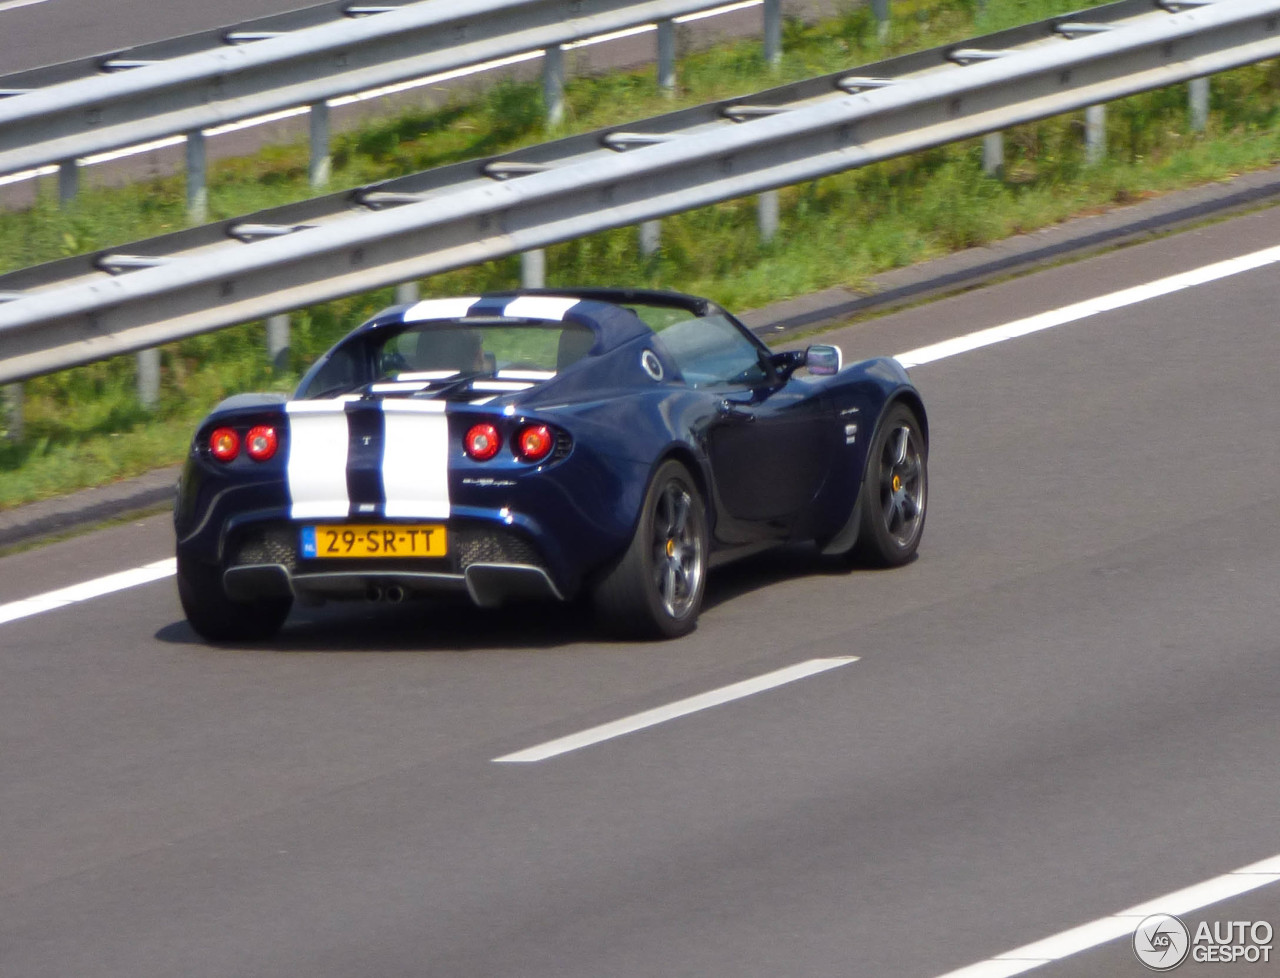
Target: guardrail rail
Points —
{"points": [[88, 308]]}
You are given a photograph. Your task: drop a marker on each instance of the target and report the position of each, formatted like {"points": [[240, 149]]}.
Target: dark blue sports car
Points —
{"points": [[544, 444]]}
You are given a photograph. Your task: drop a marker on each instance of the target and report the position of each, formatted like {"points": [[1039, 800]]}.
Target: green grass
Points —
{"points": [[84, 426]]}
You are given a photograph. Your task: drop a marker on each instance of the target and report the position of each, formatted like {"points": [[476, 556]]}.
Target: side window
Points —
{"points": [[711, 350], [340, 373]]}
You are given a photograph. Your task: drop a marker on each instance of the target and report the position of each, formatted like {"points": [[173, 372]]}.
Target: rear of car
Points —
{"points": [[406, 463]]}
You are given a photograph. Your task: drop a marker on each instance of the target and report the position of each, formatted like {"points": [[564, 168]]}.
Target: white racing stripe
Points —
{"points": [[88, 590], [429, 309], [316, 469], [446, 308], [551, 307], [1087, 936], [680, 708], [415, 461]]}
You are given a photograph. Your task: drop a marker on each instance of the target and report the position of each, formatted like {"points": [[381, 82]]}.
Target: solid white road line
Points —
{"points": [[680, 708], [15, 4], [1098, 932], [913, 358], [1090, 307], [89, 589]]}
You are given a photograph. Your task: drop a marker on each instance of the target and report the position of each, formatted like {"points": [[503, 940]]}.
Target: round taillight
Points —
{"points": [[534, 443], [224, 444], [482, 442], [261, 442]]}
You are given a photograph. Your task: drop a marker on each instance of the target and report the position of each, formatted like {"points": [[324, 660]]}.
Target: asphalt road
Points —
{"points": [[1064, 708]]}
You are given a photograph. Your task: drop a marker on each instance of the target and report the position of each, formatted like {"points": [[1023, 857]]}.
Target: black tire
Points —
{"points": [[655, 589], [216, 617], [895, 492]]}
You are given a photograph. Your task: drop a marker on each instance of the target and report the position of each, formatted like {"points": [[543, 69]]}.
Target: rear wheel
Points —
{"points": [[894, 493], [655, 590], [219, 619]]}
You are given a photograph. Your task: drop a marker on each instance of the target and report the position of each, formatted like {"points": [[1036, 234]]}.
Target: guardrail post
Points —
{"points": [[68, 182], [767, 214], [650, 237], [553, 85], [881, 9], [407, 292], [993, 154], [14, 420], [149, 377], [773, 32], [197, 185], [320, 164], [1095, 133], [278, 342], [667, 56], [533, 269], [1198, 103]]}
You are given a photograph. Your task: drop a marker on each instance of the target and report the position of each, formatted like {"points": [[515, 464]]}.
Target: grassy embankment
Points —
{"points": [[84, 426]]}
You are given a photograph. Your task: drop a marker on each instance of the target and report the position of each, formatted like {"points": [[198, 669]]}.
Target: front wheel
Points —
{"points": [[655, 590], [216, 617], [894, 492]]}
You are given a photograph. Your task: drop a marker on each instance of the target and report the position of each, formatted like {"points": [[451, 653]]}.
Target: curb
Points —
{"points": [[966, 269]]}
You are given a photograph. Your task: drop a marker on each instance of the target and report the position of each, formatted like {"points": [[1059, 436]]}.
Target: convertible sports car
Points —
{"points": [[542, 444]]}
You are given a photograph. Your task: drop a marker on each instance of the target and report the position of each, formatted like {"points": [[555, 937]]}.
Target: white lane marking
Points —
{"points": [[680, 708], [89, 589], [1097, 932], [15, 4], [1090, 307]]}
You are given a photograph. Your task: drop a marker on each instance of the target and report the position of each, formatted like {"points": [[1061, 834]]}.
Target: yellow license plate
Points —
{"points": [[387, 540]]}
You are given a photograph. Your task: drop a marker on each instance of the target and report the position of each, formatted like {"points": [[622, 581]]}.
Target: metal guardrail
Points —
{"points": [[62, 113], [67, 313]]}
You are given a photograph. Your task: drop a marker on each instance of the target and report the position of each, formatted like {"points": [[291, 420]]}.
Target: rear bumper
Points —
{"points": [[491, 564], [488, 585]]}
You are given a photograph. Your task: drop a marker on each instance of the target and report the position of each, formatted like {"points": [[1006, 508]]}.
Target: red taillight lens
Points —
{"points": [[482, 442], [534, 443], [261, 442], [224, 444]]}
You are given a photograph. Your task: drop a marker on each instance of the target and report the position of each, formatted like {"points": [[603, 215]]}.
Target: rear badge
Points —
{"points": [[652, 365]]}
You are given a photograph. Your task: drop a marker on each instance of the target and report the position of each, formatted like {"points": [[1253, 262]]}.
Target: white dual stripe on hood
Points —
{"points": [[316, 470], [415, 459]]}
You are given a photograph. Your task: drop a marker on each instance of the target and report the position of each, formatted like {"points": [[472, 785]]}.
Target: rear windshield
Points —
{"points": [[467, 349]]}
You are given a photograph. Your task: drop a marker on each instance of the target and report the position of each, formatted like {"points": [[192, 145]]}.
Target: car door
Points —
{"points": [[767, 453], [765, 439]]}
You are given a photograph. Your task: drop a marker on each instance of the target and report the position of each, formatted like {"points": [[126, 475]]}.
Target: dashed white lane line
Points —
{"points": [[1088, 936], [913, 358], [1089, 307], [680, 708], [89, 589]]}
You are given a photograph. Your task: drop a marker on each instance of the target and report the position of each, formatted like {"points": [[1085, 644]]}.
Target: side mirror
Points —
{"points": [[822, 360]]}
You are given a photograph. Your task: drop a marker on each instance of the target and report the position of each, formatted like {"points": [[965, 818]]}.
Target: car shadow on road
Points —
{"points": [[454, 624]]}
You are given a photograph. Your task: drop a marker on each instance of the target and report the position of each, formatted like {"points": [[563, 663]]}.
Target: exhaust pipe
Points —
{"points": [[374, 593], [395, 594]]}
